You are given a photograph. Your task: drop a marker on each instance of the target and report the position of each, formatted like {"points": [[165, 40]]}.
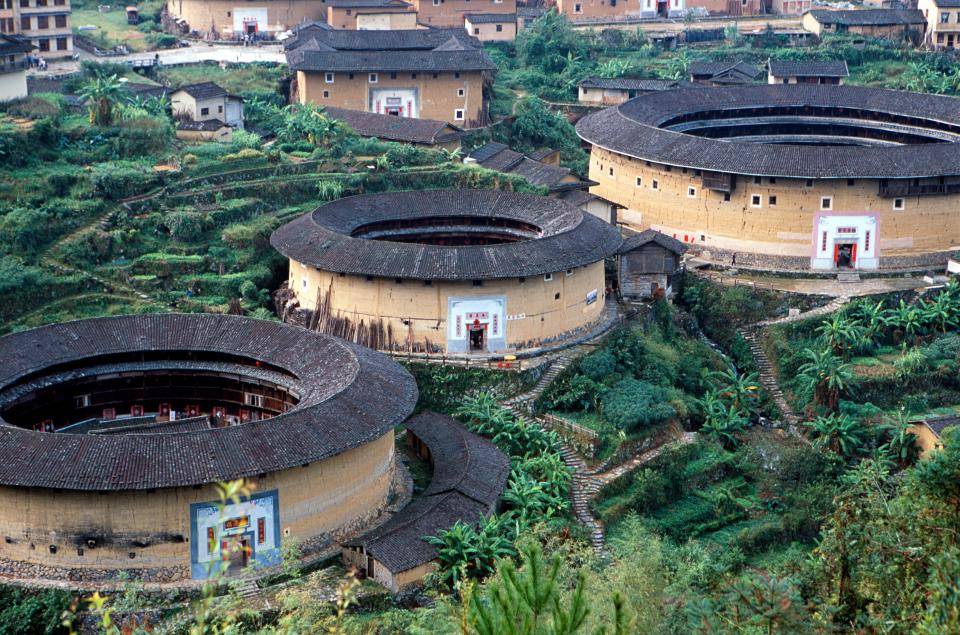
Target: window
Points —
{"points": [[25, 25], [755, 200], [328, 78], [349, 11], [945, 17], [476, 30], [499, 28], [691, 192], [547, 277], [772, 201], [809, 183], [350, 76], [413, 75], [772, 180], [577, 8], [44, 45], [478, 283], [83, 401], [850, 182], [639, 182], [204, 111], [304, 283], [898, 203], [757, 180], [253, 400], [611, 171], [826, 203], [393, 75], [569, 272], [556, 296], [458, 114], [436, 3], [654, 184], [459, 92], [41, 3], [24, 3], [326, 94], [373, 78], [60, 21], [220, 109], [726, 197], [43, 22], [456, 75]]}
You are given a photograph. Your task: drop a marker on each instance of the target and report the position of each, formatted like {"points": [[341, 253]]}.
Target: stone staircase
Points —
{"points": [[245, 588], [848, 276], [525, 401], [769, 380]]}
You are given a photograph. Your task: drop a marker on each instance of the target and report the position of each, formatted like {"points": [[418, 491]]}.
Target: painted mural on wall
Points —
{"points": [[223, 541]]}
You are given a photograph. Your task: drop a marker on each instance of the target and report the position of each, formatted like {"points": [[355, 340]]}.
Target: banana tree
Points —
{"points": [[827, 376]]}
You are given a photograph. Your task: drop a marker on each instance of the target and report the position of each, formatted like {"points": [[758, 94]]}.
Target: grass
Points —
{"points": [[113, 25], [236, 78]]}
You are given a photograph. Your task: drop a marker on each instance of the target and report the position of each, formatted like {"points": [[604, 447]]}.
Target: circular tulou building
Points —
{"points": [[469, 271], [115, 432], [787, 176]]}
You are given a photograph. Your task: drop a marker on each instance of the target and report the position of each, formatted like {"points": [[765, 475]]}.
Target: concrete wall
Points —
{"points": [[438, 98], [449, 13], [333, 496], [488, 32], [784, 228], [534, 312], [13, 85]]}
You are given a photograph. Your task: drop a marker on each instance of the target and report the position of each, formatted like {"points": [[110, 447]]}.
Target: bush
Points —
{"points": [[759, 538], [121, 179], [246, 153], [598, 365], [185, 226], [633, 403]]}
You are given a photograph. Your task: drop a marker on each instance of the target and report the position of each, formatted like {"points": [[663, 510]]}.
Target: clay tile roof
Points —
{"points": [[651, 235], [469, 475], [808, 68], [203, 90], [869, 17], [568, 237], [713, 68], [634, 129], [490, 18], [349, 395], [626, 83], [10, 44], [947, 4], [208, 125], [497, 156], [939, 424], [364, 4], [405, 129]]}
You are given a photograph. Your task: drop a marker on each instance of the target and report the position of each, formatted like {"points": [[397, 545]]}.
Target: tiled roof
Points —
{"points": [[10, 44], [708, 68], [349, 395], [633, 129], [490, 18], [808, 68], [869, 17], [947, 4], [208, 125], [323, 238], [469, 474], [651, 235], [497, 156], [939, 424], [406, 129], [147, 90], [626, 83], [529, 12], [424, 50], [203, 90]]}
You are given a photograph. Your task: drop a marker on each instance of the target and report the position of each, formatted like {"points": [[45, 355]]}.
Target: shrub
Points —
{"points": [[246, 153], [759, 538], [633, 403], [185, 226], [120, 179], [598, 365], [189, 159]]}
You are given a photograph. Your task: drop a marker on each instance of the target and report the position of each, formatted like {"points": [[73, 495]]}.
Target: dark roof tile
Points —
{"points": [[808, 68], [869, 17]]}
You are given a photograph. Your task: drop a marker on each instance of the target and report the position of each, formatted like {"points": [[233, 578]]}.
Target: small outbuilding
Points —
{"points": [[929, 431], [206, 101], [724, 73], [648, 264], [833, 72], [606, 91]]}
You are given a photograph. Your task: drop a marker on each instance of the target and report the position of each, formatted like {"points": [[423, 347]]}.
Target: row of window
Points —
{"points": [[43, 22], [25, 4], [373, 78], [437, 3], [476, 29], [945, 17], [547, 277], [62, 44]]}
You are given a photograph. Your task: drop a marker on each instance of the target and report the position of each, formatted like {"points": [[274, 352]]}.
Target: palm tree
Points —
{"points": [[102, 94], [841, 333], [724, 426], [742, 391], [841, 433], [827, 375], [901, 445], [940, 312]]}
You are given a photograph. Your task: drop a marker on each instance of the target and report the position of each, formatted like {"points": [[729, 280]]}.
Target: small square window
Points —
{"points": [[691, 192], [726, 197], [556, 296], [808, 183], [476, 30], [755, 200], [611, 171], [772, 201], [772, 180], [899, 203], [547, 277], [569, 272], [393, 75], [499, 28], [850, 182], [577, 8], [350, 76], [458, 114], [757, 180], [456, 75], [459, 92], [478, 283], [639, 182], [328, 78], [326, 94], [826, 203], [655, 184], [373, 78], [304, 283], [413, 75], [204, 111]]}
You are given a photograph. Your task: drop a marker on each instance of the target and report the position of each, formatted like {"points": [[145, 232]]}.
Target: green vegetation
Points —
{"points": [[113, 29]]}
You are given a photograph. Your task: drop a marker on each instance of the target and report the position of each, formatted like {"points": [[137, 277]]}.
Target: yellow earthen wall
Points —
{"points": [[324, 497], [488, 32], [425, 307], [449, 13], [438, 97], [388, 18], [926, 224], [216, 16]]}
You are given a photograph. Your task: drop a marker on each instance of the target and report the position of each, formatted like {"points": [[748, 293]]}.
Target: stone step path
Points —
{"points": [[848, 276], [834, 305], [556, 366], [246, 588], [602, 478]]}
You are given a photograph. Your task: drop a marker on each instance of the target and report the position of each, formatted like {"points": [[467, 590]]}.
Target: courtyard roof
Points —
{"points": [[635, 129], [567, 237], [349, 396]]}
